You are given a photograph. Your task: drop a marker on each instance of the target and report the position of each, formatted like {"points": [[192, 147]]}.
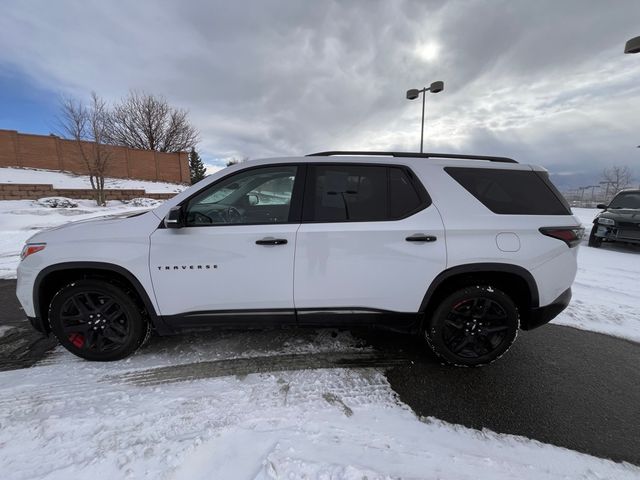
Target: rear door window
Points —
{"points": [[360, 193], [512, 192]]}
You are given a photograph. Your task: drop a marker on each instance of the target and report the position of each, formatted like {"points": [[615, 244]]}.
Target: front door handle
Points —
{"points": [[418, 237], [271, 241]]}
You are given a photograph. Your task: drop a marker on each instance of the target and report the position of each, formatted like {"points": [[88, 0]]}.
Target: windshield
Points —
{"points": [[626, 200]]}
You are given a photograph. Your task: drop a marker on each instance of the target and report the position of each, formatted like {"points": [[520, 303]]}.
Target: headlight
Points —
{"points": [[606, 221]]}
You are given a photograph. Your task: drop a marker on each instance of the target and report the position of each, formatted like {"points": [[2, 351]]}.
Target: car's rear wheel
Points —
{"points": [[97, 320], [593, 240], [473, 326]]}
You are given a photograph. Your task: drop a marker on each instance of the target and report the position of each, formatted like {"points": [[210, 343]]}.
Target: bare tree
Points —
{"points": [[87, 126], [145, 121], [617, 178]]}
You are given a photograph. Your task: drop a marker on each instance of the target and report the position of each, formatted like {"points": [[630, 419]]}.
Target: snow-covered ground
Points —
{"points": [[68, 180], [67, 418]]}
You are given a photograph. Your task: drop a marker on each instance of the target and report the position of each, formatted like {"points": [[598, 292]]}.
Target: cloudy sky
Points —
{"points": [[542, 81]]}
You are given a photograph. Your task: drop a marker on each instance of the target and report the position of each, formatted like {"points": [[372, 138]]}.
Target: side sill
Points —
{"points": [[229, 319], [313, 318], [358, 317]]}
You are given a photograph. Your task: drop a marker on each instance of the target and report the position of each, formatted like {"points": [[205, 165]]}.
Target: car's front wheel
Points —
{"points": [[97, 320], [594, 241], [473, 326]]}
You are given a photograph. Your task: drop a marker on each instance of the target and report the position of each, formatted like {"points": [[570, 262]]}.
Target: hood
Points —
{"points": [[621, 214], [89, 227]]}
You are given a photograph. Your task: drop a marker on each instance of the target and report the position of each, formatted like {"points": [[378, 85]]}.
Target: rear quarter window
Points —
{"points": [[512, 192]]}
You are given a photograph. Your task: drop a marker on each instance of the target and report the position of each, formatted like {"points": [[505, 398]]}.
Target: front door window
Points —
{"points": [[255, 196]]}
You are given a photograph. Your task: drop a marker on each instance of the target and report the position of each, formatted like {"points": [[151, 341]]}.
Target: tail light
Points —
{"points": [[31, 248], [569, 235]]}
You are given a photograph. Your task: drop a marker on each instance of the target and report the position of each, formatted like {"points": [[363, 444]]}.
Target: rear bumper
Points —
{"points": [[541, 315]]}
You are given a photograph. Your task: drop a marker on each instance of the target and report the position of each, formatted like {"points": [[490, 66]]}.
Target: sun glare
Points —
{"points": [[428, 52]]}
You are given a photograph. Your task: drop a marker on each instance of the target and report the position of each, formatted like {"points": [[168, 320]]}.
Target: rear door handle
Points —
{"points": [[421, 238], [271, 241]]}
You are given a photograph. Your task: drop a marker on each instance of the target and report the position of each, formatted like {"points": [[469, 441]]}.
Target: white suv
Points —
{"points": [[463, 250]]}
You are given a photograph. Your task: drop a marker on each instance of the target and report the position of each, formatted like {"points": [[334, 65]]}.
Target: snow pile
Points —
{"points": [[56, 202], [70, 180], [324, 423], [143, 202]]}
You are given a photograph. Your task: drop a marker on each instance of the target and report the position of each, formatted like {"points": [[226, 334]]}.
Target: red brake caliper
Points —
{"points": [[77, 340]]}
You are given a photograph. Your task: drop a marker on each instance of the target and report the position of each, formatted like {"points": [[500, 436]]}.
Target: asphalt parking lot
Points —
{"points": [[558, 385]]}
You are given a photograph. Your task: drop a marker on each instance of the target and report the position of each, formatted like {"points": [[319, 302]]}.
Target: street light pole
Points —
{"points": [[414, 93], [422, 127]]}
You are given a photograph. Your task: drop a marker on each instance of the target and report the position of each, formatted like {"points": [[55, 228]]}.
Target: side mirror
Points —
{"points": [[174, 218], [602, 206], [253, 199]]}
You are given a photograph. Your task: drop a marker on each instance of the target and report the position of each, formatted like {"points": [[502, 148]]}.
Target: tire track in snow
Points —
{"points": [[262, 364]]}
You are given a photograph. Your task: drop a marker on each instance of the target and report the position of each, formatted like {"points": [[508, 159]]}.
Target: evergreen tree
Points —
{"points": [[196, 167]]}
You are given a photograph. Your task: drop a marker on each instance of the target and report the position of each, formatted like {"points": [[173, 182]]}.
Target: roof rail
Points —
{"points": [[410, 154]]}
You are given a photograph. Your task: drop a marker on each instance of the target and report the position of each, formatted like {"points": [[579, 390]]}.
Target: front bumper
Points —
{"points": [[618, 233], [541, 315]]}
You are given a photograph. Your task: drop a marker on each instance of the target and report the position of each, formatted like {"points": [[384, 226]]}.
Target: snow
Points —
{"points": [[98, 419], [56, 202], [606, 292], [143, 202], [69, 180], [20, 219]]}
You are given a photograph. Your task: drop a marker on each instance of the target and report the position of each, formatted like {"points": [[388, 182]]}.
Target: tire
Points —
{"points": [[473, 326], [97, 320], [594, 241]]}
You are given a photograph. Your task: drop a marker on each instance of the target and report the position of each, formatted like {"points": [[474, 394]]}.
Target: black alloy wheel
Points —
{"points": [[473, 326], [97, 320]]}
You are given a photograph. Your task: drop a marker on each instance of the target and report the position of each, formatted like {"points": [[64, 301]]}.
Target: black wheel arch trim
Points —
{"points": [[154, 318], [486, 268]]}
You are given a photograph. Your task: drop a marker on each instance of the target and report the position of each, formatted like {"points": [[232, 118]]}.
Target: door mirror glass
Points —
{"points": [[253, 199], [174, 218]]}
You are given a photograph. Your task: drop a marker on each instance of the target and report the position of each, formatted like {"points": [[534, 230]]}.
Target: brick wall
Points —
{"points": [[29, 191], [53, 153]]}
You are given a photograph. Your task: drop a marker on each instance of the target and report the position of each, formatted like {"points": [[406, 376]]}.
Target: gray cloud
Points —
{"points": [[544, 81]]}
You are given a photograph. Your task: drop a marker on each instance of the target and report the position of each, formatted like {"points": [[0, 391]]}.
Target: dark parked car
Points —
{"points": [[620, 220]]}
